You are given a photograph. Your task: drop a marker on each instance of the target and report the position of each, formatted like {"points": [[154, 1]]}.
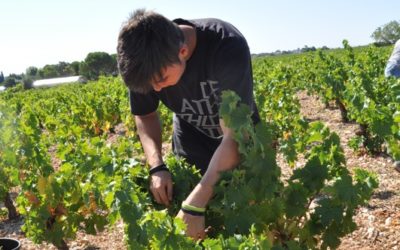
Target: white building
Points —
{"points": [[58, 81]]}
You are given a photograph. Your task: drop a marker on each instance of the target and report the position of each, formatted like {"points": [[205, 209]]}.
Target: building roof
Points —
{"points": [[57, 81]]}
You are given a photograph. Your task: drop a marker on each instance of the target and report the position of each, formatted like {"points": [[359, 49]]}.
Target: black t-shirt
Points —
{"points": [[220, 61]]}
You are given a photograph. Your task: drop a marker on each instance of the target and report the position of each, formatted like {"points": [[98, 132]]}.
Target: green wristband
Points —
{"points": [[193, 208]]}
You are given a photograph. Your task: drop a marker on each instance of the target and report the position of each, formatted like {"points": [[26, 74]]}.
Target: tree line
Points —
{"points": [[94, 65], [384, 35]]}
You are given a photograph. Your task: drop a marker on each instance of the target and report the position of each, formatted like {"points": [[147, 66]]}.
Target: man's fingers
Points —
{"points": [[160, 196], [156, 196], [169, 190], [163, 196], [199, 236], [202, 236], [161, 187]]}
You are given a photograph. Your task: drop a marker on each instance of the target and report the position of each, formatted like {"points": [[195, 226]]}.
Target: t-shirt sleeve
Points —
{"points": [[143, 104], [233, 69]]}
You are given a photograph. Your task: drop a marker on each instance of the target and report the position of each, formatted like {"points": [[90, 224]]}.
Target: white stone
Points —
{"points": [[388, 221], [371, 218]]}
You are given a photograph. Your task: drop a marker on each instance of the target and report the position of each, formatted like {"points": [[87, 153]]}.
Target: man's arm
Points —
{"points": [[226, 157], [149, 131]]}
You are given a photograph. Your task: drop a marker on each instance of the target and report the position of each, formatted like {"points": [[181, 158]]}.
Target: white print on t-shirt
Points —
{"points": [[203, 113]]}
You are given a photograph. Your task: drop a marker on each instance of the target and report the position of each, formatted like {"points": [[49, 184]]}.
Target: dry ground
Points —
{"points": [[378, 222]]}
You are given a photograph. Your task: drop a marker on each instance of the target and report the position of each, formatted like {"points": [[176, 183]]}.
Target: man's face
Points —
{"points": [[170, 76]]}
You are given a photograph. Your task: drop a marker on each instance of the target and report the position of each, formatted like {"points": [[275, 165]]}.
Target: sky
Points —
{"points": [[36, 33]]}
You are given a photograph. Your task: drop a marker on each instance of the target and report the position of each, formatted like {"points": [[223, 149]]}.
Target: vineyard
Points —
{"points": [[72, 166]]}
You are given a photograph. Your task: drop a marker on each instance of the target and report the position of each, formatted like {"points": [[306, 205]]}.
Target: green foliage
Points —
{"points": [[48, 71], [75, 66], [98, 63], [10, 82], [185, 178], [254, 195], [28, 83], [32, 71], [61, 69], [8, 159], [388, 33], [144, 225], [97, 182], [355, 143], [355, 82]]}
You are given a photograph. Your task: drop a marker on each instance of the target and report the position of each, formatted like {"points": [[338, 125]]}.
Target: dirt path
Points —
{"points": [[379, 222]]}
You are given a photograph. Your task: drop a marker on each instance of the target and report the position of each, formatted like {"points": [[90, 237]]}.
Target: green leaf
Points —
{"points": [[330, 238], [312, 175], [328, 212], [42, 185], [396, 115], [295, 199], [212, 244], [344, 189]]}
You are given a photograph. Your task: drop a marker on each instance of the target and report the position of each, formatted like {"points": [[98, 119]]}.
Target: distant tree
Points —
{"points": [[10, 82], [85, 71], [307, 49], [32, 71], [115, 66], [56, 70], [27, 82], [74, 66], [1, 77], [96, 64], [387, 34], [64, 69], [324, 48], [49, 71], [15, 76], [40, 73]]}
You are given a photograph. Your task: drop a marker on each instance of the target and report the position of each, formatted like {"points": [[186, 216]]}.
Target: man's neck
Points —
{"points": [[190, 35]]}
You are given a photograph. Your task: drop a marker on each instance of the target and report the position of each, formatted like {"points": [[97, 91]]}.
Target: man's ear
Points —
{"points": [[183, 51]]}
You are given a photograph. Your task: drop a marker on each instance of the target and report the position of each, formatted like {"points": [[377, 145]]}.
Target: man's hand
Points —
{"points": [[161, 187], [195, 225]]}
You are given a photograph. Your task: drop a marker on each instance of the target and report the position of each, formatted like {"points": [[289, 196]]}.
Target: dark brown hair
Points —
{"points": [[147, 43]]}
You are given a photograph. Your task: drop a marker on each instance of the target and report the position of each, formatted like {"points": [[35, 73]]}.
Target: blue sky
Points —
{"points": [[36, 33]]}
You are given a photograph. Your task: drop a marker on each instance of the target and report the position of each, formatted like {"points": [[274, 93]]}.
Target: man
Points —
{"points": [[393, 64], [393, 69], [185, 64]]}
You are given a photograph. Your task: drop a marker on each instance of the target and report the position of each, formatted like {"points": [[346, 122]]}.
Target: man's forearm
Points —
{"points": [[149, 131], [226, 157]]}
